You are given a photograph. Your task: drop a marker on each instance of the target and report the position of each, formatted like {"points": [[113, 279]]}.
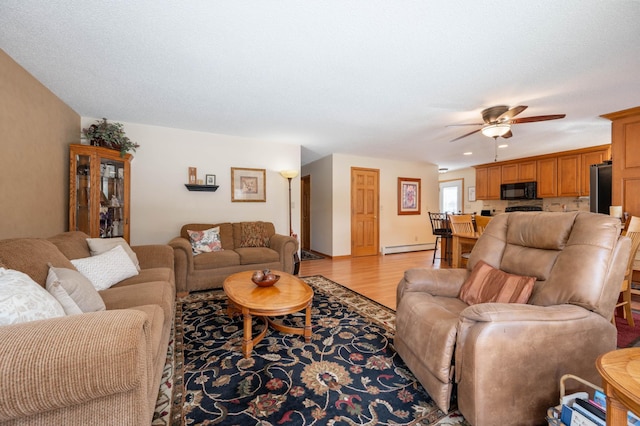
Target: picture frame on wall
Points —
{"points": [[408, 196], [248, 185], [210, 179], [472, 193]]}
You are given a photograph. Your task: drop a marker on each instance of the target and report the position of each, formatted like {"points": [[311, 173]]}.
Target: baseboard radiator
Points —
{"points": [[407, 248]]}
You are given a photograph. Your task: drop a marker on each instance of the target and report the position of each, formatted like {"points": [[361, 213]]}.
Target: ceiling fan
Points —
{"points": [[498, 121]]}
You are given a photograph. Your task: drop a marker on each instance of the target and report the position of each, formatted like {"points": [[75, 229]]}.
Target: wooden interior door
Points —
{"points": [[305, 211], [365, 224]]}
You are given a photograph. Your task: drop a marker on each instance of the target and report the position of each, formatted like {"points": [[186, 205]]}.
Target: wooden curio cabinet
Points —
{"points": [[99, 191]]}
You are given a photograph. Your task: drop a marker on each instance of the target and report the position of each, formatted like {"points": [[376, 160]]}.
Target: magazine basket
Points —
{"points": [[553, 413]]}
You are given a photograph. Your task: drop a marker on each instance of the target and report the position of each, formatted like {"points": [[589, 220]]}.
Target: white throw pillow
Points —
{"points": [[74, 291], [101, 245], [22, 299], [106, 269]]}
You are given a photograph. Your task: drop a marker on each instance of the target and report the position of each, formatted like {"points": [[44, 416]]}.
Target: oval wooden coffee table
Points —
{"points": [[290, 294]]}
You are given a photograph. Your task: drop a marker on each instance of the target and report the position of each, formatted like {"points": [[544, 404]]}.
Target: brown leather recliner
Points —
{"points": [[506, 359]]}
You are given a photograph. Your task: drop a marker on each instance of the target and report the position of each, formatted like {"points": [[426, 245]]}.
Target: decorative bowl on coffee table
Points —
{"points": [[265, 282]]}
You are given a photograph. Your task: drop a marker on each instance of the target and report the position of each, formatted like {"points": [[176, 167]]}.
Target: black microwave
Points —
{"points": [[518, 191]]}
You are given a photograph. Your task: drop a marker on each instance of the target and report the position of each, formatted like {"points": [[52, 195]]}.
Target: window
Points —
{"points": [[451, 195]]}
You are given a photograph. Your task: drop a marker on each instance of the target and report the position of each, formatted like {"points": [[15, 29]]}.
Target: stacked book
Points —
{"points": [[582, 411]]}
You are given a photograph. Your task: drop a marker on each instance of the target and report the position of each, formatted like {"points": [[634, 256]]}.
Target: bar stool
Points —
{"points": [[441, 229]]}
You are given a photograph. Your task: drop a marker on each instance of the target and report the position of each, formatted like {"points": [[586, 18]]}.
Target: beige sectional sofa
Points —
{"points": [[208, 270], [98, 368]]}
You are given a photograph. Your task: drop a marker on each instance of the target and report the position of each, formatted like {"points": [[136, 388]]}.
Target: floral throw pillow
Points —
{"points": [[205, 241], [254, 234]]}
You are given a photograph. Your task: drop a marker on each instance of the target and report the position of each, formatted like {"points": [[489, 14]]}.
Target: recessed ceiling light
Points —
{"points": [[504, 145], [467, 153], [443, 170]]}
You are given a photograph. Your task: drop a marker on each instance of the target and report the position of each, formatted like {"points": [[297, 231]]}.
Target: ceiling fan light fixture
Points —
{"points": [[496, 130]]}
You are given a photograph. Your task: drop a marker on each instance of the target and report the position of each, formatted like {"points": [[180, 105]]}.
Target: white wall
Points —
{"points": [[394, 229], [161, 204], [321, 208]]}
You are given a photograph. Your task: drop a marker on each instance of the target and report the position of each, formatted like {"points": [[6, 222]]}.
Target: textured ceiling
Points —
{"points": [[371, 78]]}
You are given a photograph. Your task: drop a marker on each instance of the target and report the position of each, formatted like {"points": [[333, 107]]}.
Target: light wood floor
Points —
{"points": [[373, 276], [377, 276]]}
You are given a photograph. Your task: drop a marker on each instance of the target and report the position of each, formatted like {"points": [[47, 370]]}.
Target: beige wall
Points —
{"points": [[36, 128]]}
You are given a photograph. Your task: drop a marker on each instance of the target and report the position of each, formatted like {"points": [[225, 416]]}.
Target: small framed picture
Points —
{"points": [[209, 179], [248, 185], [472, 193], [408, 196]]}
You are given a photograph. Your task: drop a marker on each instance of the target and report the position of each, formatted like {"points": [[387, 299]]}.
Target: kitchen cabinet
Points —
{"points": [[569, 172], [563, 174], [547, 170], [523, 171], [625, 152], [488, 180], [99, 191]]}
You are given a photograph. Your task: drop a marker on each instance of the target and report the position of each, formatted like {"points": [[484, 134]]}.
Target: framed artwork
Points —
{"points": [[248, 185], [472, 193], [408, 196], [193, 174], [210, 179]]}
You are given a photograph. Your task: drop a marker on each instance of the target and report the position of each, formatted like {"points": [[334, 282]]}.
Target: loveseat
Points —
{"points": [[244, 246], [97, 368], [505, 359]]}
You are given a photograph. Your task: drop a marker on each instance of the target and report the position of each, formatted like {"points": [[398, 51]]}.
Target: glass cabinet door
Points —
{"points": [[112, 200], [83, 193]]}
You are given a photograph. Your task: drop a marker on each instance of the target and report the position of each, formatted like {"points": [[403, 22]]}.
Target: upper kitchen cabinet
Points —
{"points": [[569, 173], [563, 174], [488, 181], [547, 177], [522, 171], [625, 150]]}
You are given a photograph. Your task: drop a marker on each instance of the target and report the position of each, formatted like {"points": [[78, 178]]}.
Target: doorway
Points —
{"points": [[451, 196], [305, 211], [365, 226]]}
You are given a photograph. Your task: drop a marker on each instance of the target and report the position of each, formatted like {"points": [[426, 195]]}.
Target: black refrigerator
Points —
{"points": [[600, 188]]}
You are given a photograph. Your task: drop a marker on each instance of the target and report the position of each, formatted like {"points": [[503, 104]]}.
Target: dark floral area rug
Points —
{"points": [[349, 374]]}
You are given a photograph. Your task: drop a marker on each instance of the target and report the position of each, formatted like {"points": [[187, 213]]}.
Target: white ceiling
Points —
{"points": [[364, 77]]}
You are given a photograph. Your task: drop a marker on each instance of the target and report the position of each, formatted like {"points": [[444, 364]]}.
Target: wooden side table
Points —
{"points": [[620, 371]]}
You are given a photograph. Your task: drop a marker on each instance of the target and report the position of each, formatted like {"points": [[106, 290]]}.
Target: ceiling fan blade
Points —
{"points": [[465, 124], [536, 118], [507, 135], [465, 135], [511, 113]]}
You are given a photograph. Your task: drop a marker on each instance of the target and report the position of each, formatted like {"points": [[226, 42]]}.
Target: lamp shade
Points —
{"points": [[496, 130], [289, 174]]}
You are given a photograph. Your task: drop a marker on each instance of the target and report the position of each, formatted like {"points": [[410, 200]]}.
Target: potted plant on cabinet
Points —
{"points": [[109, 135]]}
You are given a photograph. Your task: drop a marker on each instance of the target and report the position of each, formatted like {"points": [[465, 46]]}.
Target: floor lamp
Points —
{"points": [[290, 174]]}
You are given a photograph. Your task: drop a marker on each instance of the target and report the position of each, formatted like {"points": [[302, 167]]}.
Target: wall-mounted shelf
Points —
{"points": [[205, 188]]}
